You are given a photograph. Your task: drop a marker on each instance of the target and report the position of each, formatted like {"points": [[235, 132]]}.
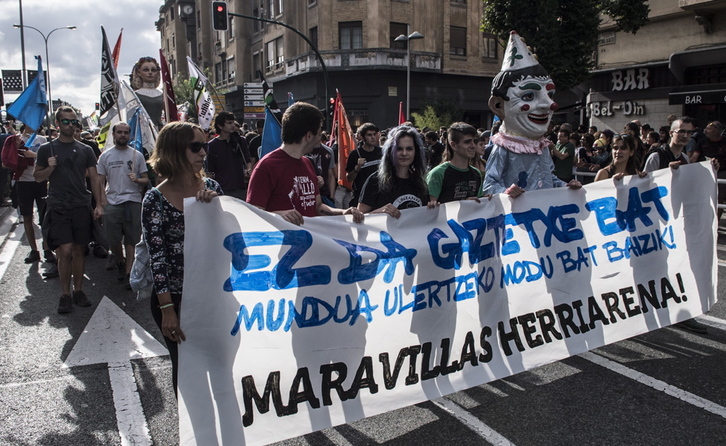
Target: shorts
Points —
{"points": [[29, 192], [62, 226], [122, 223]]}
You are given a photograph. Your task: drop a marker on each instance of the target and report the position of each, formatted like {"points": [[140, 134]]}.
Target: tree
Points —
{"points": [[563, 33], [437, 113]]}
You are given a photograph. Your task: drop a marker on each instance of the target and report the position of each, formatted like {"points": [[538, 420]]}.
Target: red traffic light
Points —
{"points": [[219, 16]]}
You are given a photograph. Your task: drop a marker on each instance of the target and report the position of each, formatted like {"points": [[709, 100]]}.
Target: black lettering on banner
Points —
{"points": [[249, 394], [527, 321], [513, 335], [547, 324], [363, 378], [426, 371], [487, 351], [667, 291], [564, 315], [577, 305], [649, 295], [306, 394], [595, 313], [390, 379], [612, 304], [629, 301], [445, 354], [328, 383], [468, 351]]}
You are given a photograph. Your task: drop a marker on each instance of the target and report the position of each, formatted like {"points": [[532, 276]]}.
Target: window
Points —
{"points": [[171, 12], [271, 12], [230, 69], [457, 45], [313, 36], [350, 35], [218, 72], [312, 2], [256, 64], [279, 7], [255, 23], [230, 28], [489, 46], [173, 40], [279, 52], [398, 29], [270, 55]]}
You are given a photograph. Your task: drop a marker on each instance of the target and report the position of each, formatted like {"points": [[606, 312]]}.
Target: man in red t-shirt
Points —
{"points": [[284, 181]]}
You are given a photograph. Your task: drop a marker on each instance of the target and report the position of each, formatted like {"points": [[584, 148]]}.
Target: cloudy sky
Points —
{"points": [[75, 56]]}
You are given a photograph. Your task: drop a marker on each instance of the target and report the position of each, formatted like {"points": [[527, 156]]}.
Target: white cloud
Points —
{"points": [[75, 56]]}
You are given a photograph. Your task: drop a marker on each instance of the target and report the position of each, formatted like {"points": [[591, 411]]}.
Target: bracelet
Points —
{"points": [[161, 307]]}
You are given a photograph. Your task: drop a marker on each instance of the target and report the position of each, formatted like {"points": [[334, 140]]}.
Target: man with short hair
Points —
{"points": [[284, 181], [455, 179], [364, 160], [68, 221], [564, 155], [123, 170], [436, 149], [228, 158]]}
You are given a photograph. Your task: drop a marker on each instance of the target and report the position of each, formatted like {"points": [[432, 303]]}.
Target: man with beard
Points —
{"points": [[67, 225], [123, 170]]}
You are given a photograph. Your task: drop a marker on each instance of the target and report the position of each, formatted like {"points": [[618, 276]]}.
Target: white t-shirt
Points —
{"points": [[28, 172], [116, 165]]}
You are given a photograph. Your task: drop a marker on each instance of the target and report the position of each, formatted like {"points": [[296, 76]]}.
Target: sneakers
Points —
{"points": [[64, 306], [110, 262], [49, 256], [80, 299], [51, 272], [33, 257], [693, 326], [121, 271]]}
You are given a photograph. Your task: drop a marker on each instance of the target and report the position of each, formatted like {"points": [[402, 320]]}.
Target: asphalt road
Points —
{"points": [[57, 373]]}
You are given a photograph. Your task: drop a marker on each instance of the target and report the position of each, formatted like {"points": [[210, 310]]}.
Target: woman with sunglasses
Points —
{"points": [[624, 162], [400, 182], [179, 157]]}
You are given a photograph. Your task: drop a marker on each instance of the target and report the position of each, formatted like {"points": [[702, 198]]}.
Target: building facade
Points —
{"points": [[355, 39], [675, 64]]}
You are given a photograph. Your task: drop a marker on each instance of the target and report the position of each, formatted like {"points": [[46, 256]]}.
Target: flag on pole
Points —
{"points": [[345, 140], [32, 104], [170, 110], [401, 117], [269, 98], [117, 50], [109, 82], [205, 105], [271, 134], [135, 135]]}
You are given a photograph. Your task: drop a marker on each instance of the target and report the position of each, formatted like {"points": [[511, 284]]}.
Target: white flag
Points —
{"points": [[205, 105]]}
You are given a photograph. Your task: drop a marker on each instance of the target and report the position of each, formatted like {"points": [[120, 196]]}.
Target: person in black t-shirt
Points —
{"points": [[363, 161], [399, 182]]}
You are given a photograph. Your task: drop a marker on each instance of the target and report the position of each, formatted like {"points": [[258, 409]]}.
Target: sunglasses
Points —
{"points": [[196, 146], [684, 132], [70, 121]]}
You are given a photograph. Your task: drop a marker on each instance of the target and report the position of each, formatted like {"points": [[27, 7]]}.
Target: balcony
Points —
{"points": [[376, 58]]}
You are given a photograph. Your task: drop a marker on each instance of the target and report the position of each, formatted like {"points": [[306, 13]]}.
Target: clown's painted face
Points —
{"points": [[529, 109]]}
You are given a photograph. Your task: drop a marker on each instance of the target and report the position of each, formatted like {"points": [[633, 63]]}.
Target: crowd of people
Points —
{"points": [[70, 182]]}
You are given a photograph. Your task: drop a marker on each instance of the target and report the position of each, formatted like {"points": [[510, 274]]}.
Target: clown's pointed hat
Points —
{"points": [[517, 55]]}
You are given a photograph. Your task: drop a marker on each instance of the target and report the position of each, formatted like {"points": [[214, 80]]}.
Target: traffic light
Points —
{"points": [[219, 16], [98, 105]]}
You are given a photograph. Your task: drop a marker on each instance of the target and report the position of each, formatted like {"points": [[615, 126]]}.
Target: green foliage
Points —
{"points": [[437, 113], [562, 33], [184, 92]]}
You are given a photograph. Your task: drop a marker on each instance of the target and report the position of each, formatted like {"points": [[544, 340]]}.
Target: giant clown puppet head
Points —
{"points": [[522, 92]]}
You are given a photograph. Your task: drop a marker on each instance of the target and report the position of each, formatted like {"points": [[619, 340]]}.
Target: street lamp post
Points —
{"points": [[402, 38], [47, 61]]}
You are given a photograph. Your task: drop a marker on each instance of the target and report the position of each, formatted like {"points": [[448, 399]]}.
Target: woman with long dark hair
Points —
{"points": [[624, 161], [399, 183], [178, 157]]}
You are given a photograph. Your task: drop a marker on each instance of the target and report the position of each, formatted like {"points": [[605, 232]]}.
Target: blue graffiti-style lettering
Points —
{"points": [[610, 220], [358, 271], [283, 275]]}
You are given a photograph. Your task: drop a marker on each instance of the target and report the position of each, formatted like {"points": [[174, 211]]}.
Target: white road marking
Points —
{"points": [[711, 321], [112, 337], [472, 422], [721, 263], [656, 384], [11, 242]]}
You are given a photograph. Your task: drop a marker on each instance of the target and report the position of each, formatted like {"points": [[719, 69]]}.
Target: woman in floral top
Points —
{"points": [[178, 157]]}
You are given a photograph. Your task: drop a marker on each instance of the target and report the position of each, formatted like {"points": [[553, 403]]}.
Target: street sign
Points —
{"points": [[254, 91], [254, 103], [254, 116], [254, 97], [252, 84], [254, 109]]}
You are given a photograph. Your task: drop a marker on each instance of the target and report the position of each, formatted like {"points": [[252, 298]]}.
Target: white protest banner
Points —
{"points": [[294, 329]]}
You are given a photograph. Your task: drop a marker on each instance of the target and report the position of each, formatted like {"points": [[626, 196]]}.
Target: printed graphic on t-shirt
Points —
{"points": [[302, 193], [465, 189], [407, 201]]}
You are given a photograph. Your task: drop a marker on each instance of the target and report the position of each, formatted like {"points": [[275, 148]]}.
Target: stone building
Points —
{"points": [[675, 64], [356, 40]]}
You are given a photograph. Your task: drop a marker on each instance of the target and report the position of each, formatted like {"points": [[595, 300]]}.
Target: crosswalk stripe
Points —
{"points": [[656, 384], [472, 422]]}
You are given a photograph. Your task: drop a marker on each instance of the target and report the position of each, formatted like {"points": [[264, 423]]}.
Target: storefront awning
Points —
{"points": [[705, 56], [698, 94]]}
